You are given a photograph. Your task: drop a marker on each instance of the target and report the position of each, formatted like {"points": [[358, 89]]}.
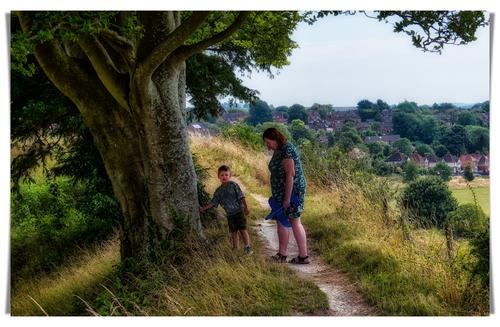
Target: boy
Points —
{"points": [[231, 198]]}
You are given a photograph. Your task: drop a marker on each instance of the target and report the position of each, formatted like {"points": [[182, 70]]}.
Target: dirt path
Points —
{"points": [[342, 295]]}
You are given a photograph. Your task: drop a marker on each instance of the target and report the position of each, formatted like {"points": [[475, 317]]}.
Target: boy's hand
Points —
{"points": [[202, 210], [246, 211]]}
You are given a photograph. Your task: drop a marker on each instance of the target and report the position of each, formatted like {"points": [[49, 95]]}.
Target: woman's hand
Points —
{"points": [[286, 203]]}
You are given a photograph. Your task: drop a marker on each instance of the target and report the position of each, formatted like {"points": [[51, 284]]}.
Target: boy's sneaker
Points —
{"points": [[248, 249]]}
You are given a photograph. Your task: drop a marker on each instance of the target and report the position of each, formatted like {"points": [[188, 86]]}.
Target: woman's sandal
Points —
{"points": [[300, 260], [278, 257]]}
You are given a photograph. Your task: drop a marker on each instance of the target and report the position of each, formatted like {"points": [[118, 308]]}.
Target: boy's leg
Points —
{"points": [[235, 240], [245, 236]]}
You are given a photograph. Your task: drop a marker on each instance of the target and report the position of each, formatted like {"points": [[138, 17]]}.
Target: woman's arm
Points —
{"points": [[289, 166]]}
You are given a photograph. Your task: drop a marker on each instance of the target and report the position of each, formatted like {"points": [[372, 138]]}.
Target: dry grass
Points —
{"points": [[57, 293]]}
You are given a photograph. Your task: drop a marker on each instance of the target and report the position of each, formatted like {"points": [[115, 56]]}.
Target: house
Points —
{"points": [[468, 159], [418, 159], [383, 138], [279, 117], [396, 158], [234, 116], [483, 165], [198, 129], [452, 162], [431, 161]]}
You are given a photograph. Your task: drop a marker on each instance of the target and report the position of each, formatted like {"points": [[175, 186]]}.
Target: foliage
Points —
{"points": [[468, 220], [297, 111], [468, 174], [324, 110], [300, 131], [424, 149], [259, 113], [442, 170], [403, 145], [382, 168], [466, 117], [477, 139], [348, 137], [410, 171], [454, 139], [51, 219], [244, 133], [429, 200], [481, 251], [209, 77], [440, 150]]}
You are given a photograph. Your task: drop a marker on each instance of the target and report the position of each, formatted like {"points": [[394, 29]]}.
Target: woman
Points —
{"points": [[287, 177]]}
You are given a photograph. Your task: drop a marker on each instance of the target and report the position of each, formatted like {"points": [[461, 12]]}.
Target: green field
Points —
{"points": [[464, 195]]}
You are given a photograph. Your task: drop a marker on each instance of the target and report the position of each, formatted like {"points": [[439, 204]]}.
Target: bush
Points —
{"points": [[245, 134], [468, 174], [51, 219], [382, 168], [410, 171], [429, 200], [441, 170], [467, 220]]}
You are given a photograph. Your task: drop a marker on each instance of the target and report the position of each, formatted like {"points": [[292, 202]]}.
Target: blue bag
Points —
{"points": [[278, 212]]}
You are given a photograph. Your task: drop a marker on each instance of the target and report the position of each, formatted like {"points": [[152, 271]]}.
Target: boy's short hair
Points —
{"points": [[223, 168]]}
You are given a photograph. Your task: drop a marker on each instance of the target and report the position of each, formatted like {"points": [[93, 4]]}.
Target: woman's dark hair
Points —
{"points": [[274, 134]]}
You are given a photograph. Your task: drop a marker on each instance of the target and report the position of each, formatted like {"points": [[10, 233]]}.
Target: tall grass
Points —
{"points": [[61, 292], [400, 269]]}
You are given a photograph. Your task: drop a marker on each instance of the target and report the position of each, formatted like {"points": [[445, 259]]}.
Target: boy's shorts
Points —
{"points": [[237, 222]]}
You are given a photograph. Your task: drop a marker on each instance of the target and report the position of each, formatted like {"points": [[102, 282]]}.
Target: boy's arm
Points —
{"points": [[245, 206], [206, 207]]}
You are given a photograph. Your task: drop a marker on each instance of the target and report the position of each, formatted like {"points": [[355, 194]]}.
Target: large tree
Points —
{"points": [[126, 74]]}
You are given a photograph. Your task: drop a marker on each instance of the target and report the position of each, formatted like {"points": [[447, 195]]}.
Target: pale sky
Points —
{"points": [[342, 60]]}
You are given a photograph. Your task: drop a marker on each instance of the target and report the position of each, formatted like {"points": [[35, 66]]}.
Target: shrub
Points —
{"points": [[468, 174], [441, 170], [244, 133], [382, 168], [429, 200], [51, 219], [410, 171], [467, 220]]}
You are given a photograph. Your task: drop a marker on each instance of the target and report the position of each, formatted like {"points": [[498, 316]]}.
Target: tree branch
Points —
{"points": [[105, 68], [173, 41], [185, 52], [120, 44]]}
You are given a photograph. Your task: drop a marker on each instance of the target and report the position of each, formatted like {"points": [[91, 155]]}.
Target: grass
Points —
{"points": [[482, 194], [60, 292]]}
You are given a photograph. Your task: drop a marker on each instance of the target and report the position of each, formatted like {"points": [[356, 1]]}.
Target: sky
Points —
{"points": [[342, 60]]}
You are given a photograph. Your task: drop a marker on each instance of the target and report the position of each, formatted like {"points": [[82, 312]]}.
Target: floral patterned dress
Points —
{"points": [[287, 151]]}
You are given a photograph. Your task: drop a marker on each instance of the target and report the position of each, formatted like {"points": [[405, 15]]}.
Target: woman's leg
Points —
{"points": [[300, 236], [283, 236]]}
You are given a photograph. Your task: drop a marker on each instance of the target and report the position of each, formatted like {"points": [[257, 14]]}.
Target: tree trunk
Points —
{"points": [[142, 137]]}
